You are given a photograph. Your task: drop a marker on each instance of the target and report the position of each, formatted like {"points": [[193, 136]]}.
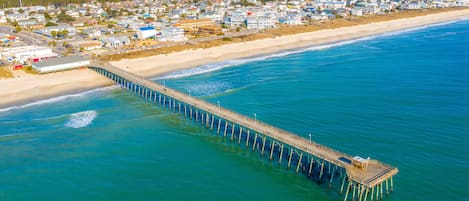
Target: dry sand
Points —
{"points": [[18, 91]]}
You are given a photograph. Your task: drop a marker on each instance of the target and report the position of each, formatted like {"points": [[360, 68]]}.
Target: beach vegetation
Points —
{"points": [[63, 17], [49, 24], [5, 72]]}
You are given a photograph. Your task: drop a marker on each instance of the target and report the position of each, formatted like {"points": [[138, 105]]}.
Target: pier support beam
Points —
{"points": [[272, 145], [299, 162], [254, 144], [247, 138], [211, 123], [310, 166], [322, 171], [289, 157], [232, 131], [226, 127], [342, 186], [281, 154], [391, 185], [348, 189], [263, 145], [387, 188], [239, 135], [219, 123]]}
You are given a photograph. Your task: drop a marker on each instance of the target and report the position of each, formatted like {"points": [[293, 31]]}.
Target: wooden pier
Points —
{"points": [[370, 180]]}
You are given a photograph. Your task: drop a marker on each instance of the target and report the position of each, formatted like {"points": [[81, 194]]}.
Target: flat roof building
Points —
{"points": [[60, 64]]}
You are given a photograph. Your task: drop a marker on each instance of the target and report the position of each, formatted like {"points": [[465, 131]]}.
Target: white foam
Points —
{"points": [[56, 99], [81, 119], [235, 62], [208, 88]]}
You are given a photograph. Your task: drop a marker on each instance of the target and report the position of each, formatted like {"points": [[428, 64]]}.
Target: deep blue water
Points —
{"points": [[402, 99]]}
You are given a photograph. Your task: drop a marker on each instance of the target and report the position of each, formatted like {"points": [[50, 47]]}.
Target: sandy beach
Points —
{"points": [[17, 91]]}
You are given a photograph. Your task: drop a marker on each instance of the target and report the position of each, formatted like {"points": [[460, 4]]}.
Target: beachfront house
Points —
{"points": [[236, 19], [291, 18], [262, 22], [171, 34], [461, 3], [115, 41], [146, 32], [357, 11]]}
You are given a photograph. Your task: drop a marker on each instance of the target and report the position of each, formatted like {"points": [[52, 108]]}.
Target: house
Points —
{"points": [[291, 18], [461, 3], [115, 41], [262, 22], [47, 31], [91, 45], [24, 53], [357, 11], [191, 25], [235, 20], [171, 34], [17, 17], [92, 32], [146, 32]]}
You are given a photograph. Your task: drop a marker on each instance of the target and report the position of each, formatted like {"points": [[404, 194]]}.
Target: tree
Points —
{"points": [[20, 10], [53, 34], [63, 32], [17, 29], [49, 24], [47, 16], [64, 17]]}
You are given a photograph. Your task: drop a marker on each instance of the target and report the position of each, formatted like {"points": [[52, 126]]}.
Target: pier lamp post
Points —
{"points": [[219, 108], [164, 83], [309, 138], [255, 118]]}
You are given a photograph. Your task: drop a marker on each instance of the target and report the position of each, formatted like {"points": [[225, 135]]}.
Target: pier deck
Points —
{"points": [[374, 174]]}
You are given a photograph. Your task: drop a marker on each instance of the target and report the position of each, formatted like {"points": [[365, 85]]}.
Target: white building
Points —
{"points": [[25, 53], [262, 22], [172, 34], [60, 64], [357, 11], [48, 30], [115, 41], [235, 20], [146, 32]]}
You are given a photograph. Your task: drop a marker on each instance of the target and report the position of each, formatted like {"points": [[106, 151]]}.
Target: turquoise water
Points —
{"points": [[402, 99]]}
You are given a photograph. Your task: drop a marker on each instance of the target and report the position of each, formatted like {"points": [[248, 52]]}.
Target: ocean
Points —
{"points": [[401, 98]]}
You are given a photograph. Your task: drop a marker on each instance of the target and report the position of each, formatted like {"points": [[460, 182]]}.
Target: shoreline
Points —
{"points": [[158, 64], [22, 91]]}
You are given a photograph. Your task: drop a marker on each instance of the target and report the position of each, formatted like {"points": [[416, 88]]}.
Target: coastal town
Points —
{"points": [[56, 37]]}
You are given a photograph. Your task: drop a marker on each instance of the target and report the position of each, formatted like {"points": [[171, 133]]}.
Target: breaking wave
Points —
{"points": [[235, 62], [81, 119], [56, 99]]}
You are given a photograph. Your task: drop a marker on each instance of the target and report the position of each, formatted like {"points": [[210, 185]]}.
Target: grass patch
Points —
{"points": [[29, 70], [5, 73]]}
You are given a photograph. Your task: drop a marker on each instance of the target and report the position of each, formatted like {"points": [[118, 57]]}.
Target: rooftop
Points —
{"points": [[59, 61]]}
